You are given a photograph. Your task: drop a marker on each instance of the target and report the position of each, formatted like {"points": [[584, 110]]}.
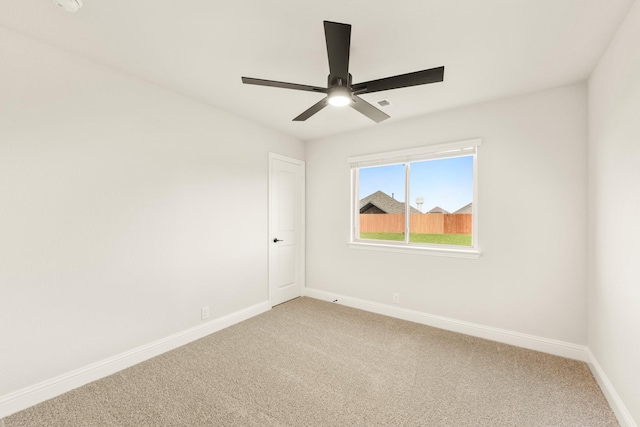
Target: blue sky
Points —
{"points": [[447, 183]]}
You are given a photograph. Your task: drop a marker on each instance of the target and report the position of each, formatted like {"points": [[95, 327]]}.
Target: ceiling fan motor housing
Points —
{"points": [[339, 81]]}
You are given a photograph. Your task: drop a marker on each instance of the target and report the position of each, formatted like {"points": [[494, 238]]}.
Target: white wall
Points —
{"points": [[614, 212], [124, 208], [531, 277]]}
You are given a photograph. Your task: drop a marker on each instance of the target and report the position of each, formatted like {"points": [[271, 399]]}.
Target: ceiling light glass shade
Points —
{"points": [[339, 96]]}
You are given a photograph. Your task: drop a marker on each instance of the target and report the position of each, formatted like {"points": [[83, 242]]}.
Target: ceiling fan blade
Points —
{"points": [[273, 83], [368, 110], [312, 110], [338, 37], [423, 77]]}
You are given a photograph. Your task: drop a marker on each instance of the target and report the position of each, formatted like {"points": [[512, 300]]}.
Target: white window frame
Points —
{"points": [[437, 151]]}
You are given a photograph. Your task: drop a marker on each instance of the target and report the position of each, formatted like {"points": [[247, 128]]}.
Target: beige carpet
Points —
{"points": [[313, 363]]}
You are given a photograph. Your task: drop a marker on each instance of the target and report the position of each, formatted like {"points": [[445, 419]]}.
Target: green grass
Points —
{"points": [[442, 239]]}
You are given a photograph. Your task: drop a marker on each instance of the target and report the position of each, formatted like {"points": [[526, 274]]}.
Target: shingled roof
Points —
{"points": [[465, 209], [385, 203], [437, 210]]}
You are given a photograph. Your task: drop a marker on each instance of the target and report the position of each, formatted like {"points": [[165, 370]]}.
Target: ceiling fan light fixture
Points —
{"points": [[339, 96]]}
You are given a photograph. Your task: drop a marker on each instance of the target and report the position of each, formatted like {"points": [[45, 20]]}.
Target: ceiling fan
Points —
{"points": [[340, 90]]}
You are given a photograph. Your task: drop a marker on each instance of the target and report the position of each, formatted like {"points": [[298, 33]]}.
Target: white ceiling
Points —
{"points": [[490, 48]]}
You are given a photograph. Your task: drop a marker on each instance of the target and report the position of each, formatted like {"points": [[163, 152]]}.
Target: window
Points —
{"points": [[419, 200]]}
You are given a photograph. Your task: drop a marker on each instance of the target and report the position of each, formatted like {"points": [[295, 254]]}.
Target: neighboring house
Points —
{"points": [[381, 203], [466, 209], [437, 210]]}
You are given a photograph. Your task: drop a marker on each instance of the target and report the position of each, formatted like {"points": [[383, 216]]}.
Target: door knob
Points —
{"points": [[276, 240]]}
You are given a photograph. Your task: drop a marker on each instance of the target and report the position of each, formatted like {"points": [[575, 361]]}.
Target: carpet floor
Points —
{"points": [[313, 363]]}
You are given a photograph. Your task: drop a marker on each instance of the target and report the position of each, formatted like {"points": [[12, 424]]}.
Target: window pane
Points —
{"points": [[442, 193], [381, 195]]}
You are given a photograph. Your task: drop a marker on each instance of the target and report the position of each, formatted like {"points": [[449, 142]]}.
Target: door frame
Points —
{"points": [[300, 246]]}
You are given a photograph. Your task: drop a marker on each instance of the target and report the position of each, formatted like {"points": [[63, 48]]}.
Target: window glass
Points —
{"points": [[381, 202], [441, 191]]}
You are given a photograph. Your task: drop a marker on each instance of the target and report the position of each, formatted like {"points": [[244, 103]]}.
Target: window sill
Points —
{"points": [[418, 250]]}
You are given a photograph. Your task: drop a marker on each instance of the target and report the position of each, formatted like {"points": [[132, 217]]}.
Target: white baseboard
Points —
{"points": [[618, 407], [29, 396], [532, 342]]}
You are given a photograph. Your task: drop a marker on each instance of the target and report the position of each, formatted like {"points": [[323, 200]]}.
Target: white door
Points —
{"points": [[286, 228]]}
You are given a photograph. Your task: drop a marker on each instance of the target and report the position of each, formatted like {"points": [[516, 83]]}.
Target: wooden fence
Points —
{"points": [[420, 223]]}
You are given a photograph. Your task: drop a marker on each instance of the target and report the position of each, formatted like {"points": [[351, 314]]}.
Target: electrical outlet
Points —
{"points": [[396, 298], [204, 312]]}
